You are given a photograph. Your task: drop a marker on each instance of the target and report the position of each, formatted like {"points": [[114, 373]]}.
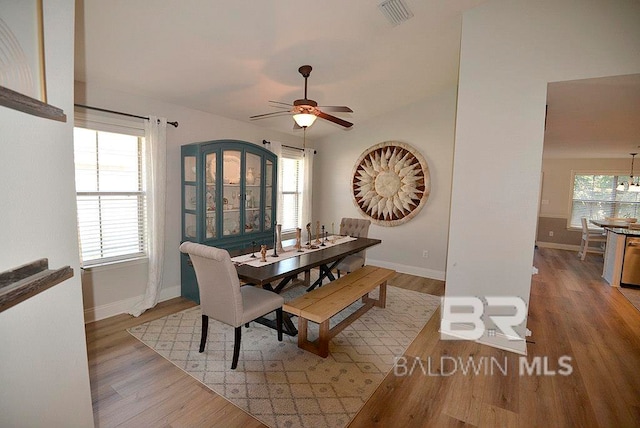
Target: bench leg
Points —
{"points": [[323, 339], [381, 302], [321, 346], [302, 332], [382, 297]]}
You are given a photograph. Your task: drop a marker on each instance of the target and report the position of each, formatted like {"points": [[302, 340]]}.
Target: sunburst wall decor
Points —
{"points": [[390, 183]]}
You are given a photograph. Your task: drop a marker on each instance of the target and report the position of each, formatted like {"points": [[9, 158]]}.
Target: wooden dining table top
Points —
{"points": [[305, 261]]}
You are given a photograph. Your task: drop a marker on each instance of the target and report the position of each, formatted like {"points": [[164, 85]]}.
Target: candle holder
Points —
{"points": [[253, 249], [299, 239], [317, 232], [323, 237], [279, 238]]}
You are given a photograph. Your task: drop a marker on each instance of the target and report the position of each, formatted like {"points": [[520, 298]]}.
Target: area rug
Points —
{"points": [[632, 295], [282, 385]]}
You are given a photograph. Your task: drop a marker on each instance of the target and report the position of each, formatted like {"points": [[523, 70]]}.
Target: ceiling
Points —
{"points": [[593, 118], [230, 58]]}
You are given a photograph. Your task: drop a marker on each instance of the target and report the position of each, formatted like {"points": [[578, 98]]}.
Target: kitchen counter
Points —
{"points": [[621, 231], [614, 255]]}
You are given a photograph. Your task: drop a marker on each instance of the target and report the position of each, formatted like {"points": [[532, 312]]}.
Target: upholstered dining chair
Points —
{"points": [[223, 299], [359, 228], [589, 236]]}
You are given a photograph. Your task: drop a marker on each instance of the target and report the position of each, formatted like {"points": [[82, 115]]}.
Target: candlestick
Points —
{"points": [[298, 239], [317, 232], [323, 237], [279, 239], [253, 249], [275, 241]]}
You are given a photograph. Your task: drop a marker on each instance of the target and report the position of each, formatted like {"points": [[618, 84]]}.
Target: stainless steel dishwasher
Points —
{"points": [[631, 263]]}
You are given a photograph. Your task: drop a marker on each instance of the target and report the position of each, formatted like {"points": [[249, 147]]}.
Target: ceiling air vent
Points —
{"points": [[396, 11]]}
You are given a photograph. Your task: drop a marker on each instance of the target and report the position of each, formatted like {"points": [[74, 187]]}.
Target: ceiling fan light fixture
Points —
{"points": [[304, 120]]}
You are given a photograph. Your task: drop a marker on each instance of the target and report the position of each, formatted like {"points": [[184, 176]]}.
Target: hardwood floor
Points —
{"points": [[573, 312]]}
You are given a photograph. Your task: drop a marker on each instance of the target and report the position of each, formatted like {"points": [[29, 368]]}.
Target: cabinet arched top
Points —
{"points": [[226, 144]]}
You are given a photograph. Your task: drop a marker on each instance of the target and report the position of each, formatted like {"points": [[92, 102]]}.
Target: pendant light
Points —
{"points": [[631, 185]]}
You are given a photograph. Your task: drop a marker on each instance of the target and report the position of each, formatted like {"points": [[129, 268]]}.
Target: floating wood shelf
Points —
{"points": [[23, 282], [25, 104]]}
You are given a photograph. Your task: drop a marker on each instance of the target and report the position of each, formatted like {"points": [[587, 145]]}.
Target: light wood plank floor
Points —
{"points": [[572, 312]]}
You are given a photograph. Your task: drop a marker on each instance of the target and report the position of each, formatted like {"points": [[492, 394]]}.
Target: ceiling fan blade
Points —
{"points": [[334, 119], [275, 113], [284, 104], [341, 109]]}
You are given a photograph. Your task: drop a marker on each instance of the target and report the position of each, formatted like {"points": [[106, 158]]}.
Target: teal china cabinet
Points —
{"points": [[228, 199]]}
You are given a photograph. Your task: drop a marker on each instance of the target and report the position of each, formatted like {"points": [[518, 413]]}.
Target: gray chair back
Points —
{"points": [[356, 227], [218, 283]]}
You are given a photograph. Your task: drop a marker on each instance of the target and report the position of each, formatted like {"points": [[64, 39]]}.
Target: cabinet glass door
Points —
{"points": [[190, 198], [268, 194], [252, 192], [210, 195], [231, 192]]}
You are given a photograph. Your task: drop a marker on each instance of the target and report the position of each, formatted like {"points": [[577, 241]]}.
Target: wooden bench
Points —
{"points": [[321, 304]]}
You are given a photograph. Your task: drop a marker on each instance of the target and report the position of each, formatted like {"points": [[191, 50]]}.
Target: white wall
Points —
{"points": [[44, 371], [510, 50], [113, 290], [428, 126]]}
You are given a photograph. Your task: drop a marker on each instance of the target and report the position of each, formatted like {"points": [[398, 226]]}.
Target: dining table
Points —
{"points": [[275, 275], [621, 224]]}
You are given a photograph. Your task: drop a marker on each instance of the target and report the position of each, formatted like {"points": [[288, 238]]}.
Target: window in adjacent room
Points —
{"points": [[291, 177], [110, 192], [595, 197]]}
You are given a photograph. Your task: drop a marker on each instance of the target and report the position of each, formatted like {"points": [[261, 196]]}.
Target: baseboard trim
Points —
{"points": [[411, 270], [101, 312], [558, 246]]}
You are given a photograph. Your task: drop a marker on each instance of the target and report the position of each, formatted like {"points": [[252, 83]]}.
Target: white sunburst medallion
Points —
{"points": [[390, 183]]}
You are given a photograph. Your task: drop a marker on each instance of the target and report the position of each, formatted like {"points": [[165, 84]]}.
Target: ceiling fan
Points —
{"points": [[305, 111]]}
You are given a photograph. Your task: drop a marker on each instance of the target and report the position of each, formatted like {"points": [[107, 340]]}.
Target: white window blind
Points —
{"points": [[291, 179], [111, 198], [595, 197]]}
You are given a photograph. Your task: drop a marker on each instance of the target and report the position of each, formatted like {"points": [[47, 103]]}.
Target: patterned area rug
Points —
{"points": [[282, 385], [632, 294]]}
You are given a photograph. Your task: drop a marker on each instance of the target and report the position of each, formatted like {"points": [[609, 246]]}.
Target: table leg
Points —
{"points": [[288, 327], [325, 272]]}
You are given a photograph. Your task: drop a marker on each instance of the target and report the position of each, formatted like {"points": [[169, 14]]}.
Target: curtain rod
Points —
{"points": [[175, 124], [289, 147]]}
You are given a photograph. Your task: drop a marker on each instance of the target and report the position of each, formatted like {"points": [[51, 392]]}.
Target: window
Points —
{"points": [[595, 197], [110, 195], [291, 177]]}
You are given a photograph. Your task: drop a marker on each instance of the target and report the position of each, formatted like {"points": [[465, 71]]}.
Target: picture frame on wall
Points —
{"points": [[22, 46], [23, 83]]}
